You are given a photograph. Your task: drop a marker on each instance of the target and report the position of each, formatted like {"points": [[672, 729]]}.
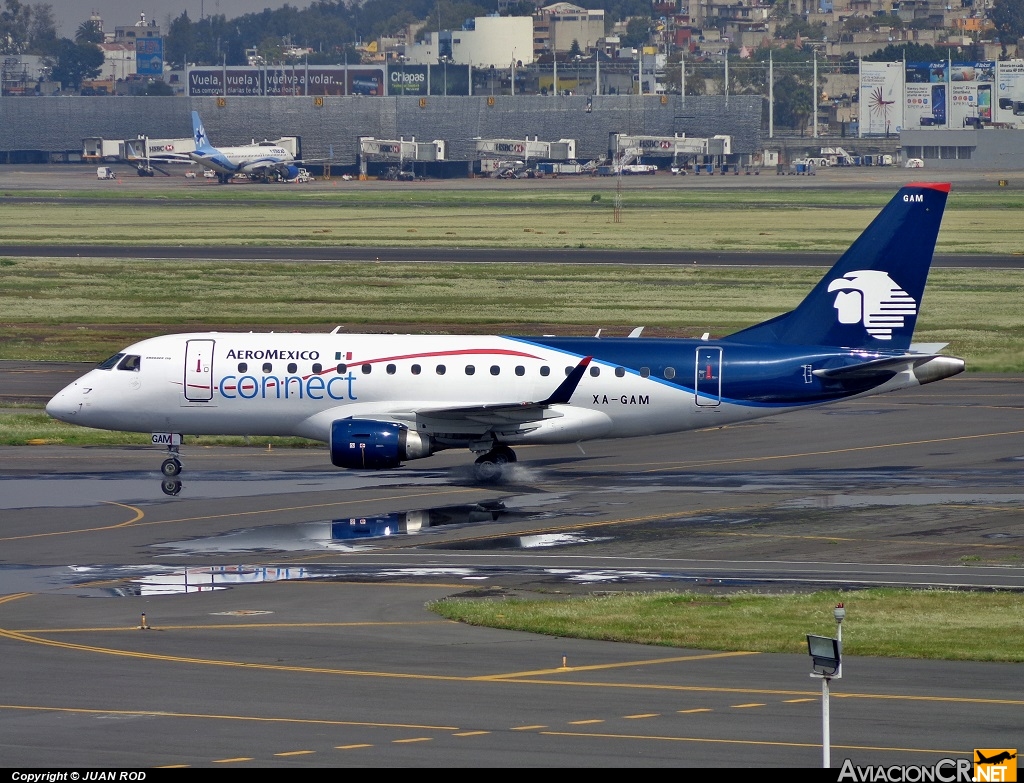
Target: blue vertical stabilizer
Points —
{"points": [[871, 297]]}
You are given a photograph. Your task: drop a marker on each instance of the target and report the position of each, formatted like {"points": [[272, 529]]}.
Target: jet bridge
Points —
{"points": [[510, 158], [400, 151], [527, 149], [144, 153], [625, 149]]}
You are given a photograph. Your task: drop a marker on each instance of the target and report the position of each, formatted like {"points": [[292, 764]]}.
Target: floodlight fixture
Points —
{"points": [[825, 654]]}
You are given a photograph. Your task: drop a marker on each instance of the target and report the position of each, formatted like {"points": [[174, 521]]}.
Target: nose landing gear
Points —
{"points": [[171, 466]]}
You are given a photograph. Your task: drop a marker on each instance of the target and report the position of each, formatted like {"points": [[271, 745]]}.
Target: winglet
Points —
{"points": [[564, 392]]}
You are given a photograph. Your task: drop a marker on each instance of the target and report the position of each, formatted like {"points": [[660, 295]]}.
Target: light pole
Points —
{"points": [[840, 614], [825, 660], [827, 664]]}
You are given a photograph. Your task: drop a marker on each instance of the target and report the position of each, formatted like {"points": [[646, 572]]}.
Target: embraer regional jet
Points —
{"points": [[380, 400]]}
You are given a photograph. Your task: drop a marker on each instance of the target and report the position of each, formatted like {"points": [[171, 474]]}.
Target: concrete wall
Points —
{"points": [[60, 123]]}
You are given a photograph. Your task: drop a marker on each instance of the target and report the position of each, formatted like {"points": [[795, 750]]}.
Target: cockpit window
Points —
{"points": [[110, 363], [131, 362]]}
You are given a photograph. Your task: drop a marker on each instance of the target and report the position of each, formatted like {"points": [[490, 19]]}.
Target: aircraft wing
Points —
{"points": [[502, 414], [210, 163], [263, 166], [515, 412]]}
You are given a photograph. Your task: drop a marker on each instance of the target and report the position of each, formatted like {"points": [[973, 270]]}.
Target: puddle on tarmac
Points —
{"points": [[353, 533], [86, 489], [119, 581], [912, 499]]}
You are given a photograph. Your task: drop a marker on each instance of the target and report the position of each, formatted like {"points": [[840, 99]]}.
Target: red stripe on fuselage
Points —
{"points": [[431, 354]]}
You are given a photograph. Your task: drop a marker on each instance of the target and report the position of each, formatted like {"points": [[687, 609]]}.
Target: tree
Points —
{"points": [[180, 43], [637, 31], [89, 31], [911, 52], [794, 102], [271, 50], [158, 87], [522, 8], [1008, 17], [452, 14], [75, 62], [42, 31], [15, 21]]}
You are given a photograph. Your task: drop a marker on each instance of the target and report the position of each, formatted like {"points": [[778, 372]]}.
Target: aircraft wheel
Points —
{"points": [[503, 454], [170, 486], [490, 466], [487, 470], [171, 467]]}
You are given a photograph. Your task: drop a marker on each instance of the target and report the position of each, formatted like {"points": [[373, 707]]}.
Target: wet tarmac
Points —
{"points": [[895, 490], [273, 592]]}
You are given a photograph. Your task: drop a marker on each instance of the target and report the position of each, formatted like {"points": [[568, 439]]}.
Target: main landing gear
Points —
{"points": [[489, 466]]}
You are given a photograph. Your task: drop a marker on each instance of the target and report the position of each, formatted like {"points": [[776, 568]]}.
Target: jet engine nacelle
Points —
{"points": [[291, 173], [375, 445]]}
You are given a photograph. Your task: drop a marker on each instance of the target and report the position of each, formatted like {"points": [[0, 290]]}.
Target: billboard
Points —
{"points": [[286, 80], [881, 98], [149, 56], [1009, 98], [924, 95], [440, 79], [940, 95], [970, 93], [299, 79]]}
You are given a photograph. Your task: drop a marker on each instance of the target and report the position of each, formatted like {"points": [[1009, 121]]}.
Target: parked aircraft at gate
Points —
{"points": [[258, 160], [381, 400]]}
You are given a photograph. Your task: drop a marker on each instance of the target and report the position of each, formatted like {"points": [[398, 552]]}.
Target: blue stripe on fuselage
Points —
{"points": [[762, 376]]}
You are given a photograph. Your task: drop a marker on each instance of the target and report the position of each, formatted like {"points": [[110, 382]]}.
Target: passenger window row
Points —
{"points": [[133, 363], [645, 372]]}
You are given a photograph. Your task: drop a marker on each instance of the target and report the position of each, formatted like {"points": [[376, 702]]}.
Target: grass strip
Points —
{"points": [[891, 623], [88, 309], [32, 427], [737, 220]]}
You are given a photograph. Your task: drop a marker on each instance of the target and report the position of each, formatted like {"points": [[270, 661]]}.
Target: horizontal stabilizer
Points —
{"points": [[927, 347], [926, 368]]}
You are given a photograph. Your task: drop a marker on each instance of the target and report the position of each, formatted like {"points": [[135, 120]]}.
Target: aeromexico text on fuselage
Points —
{"points": [[745, 369]]}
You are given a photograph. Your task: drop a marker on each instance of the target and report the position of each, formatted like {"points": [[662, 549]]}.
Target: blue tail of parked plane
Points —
{"points": [[199, 134], [871, 297]]}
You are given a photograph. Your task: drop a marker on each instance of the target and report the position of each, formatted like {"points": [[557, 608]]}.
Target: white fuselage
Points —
{"points": [[455, 390], [248, 159]]}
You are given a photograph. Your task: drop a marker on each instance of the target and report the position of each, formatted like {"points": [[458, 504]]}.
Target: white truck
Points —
{"points": [[105, 172]]}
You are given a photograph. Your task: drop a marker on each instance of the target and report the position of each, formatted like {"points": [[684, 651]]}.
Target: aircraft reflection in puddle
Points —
{"points": [[342, 534], [178, 581], [92, 581]]}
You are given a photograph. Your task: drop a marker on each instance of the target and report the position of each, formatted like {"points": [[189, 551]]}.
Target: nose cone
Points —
{"points": [[66, 403]]}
